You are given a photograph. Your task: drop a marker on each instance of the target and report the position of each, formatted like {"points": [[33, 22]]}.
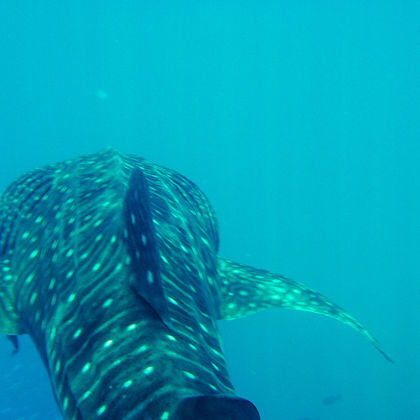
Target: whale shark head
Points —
{"points": [[110, 263]]}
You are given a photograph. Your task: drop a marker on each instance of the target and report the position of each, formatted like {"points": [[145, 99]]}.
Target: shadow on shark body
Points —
{"points": [[110, 263]]}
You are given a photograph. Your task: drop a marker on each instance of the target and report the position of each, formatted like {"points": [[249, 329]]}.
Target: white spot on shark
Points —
{"points": [[143, 239], [77, 333], [101, 410], [108, 343], [85, 395], [97, 223], [107, 303], [128, 383], [52, 283], [33, 298], [33, 254], [86, 367], [148, 370], [189, 375], [142, 349]]}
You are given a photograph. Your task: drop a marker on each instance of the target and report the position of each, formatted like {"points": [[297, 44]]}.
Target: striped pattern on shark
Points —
{"points": [[110, 263]]}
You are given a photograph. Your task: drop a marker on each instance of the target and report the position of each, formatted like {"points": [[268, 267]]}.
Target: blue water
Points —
{"points": [[300, 120]]}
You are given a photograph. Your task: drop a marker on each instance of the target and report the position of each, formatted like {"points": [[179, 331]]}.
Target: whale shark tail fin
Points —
{"points": [[215, 407], [246, 290]]}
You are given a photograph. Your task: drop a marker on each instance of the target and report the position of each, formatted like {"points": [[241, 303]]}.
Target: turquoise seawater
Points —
{"points": [[299, 120]]}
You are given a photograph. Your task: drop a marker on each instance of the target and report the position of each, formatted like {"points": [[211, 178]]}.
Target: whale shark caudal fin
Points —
{"points": [[215, 407], [246, 290], [142, 246]]}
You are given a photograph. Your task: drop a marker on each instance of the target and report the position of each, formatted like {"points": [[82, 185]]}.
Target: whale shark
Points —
{"points": [[110, 263]]}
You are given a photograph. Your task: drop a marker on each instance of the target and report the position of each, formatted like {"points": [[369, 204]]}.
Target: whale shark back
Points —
{"points": [[110, 263]]}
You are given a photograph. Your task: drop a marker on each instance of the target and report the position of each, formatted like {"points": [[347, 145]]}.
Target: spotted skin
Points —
{"points": [[110, 263]]}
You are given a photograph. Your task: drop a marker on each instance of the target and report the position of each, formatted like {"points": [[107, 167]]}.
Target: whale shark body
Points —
{"points": [[110, 263]]}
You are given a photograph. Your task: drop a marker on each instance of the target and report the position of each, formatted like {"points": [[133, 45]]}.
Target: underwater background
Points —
{"points": [[298, 119]]}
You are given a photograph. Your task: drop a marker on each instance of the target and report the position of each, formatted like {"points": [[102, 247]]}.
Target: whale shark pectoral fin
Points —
{"points": [[246, 290], [9, 318], [143, 247], [215, 407], [15, 342]]}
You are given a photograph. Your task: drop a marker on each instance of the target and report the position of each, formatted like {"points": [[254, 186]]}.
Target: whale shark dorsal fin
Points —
{"points": [[143, 247], [9, 319], [246, 290]]}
